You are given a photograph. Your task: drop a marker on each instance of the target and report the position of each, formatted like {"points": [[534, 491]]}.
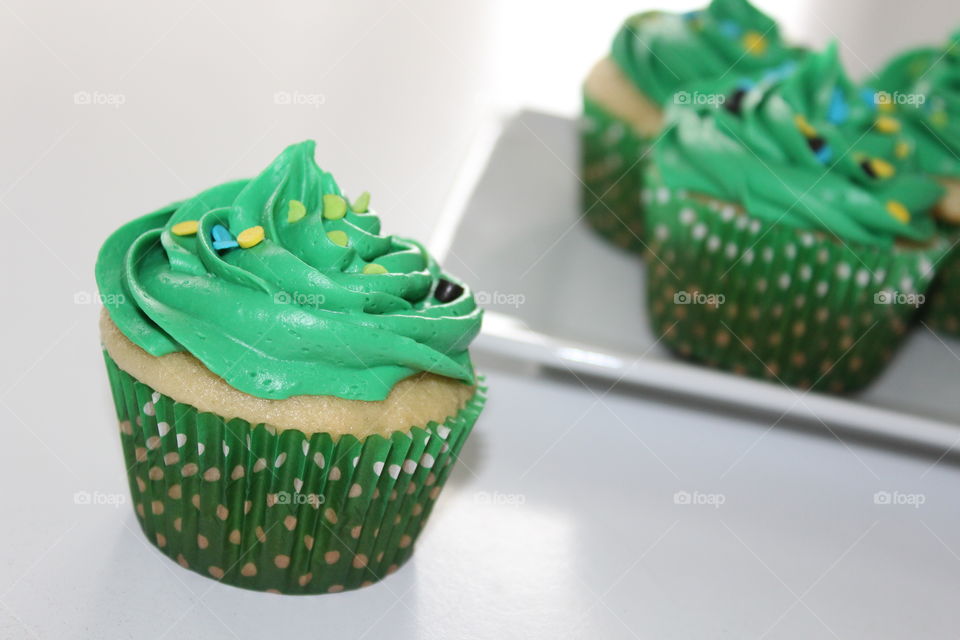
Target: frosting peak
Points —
{"points": [[283, 287], [662, 52]]}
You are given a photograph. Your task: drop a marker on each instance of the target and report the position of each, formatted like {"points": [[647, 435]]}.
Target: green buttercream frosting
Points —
{"points": [[921, 88], [663, 53], [293, 313], [803, 151]]}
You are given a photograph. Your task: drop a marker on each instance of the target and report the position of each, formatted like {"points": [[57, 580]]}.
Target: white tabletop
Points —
{"points": [[562, 519]]}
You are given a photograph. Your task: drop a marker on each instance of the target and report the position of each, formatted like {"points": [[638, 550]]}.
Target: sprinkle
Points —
{"points": [[447, 291], [805, 127], [374, 269], [877, 168], [362, 203], [334, 207], [185, 228], [898, 211], [734, 101], [730, 28], [296, 211], [871, 96], [902, 149], [939, 118], [338, 238], [886, 124], [222, 238], [838, 111], [250, 237], [754, 43]]}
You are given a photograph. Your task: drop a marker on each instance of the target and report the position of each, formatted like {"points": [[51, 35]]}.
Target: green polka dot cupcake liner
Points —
{"points": [[942, 311], [773, 302], [612, 153], [279, 511]]}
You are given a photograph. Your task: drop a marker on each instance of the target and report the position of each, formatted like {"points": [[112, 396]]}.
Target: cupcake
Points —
{"points": [[658, 59], [920, 92], [292, 386], [788, 241]]}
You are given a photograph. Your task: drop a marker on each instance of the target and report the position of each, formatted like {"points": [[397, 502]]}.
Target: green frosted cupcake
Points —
{"points": [[788, 242], [292, 387], [920, 91], [658, 59]]}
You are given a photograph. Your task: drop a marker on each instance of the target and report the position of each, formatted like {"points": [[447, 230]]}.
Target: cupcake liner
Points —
{"points": [[774, 302], [279, 511], [612, 153], [942, 310]]}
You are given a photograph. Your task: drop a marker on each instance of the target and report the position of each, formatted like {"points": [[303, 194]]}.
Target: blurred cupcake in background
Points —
{"points": [[920, 91], [788, 240], [292, 387], [659, 59]]}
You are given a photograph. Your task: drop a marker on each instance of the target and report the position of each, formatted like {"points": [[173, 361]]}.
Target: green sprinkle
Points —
{"points": [[362, 203], [338, 238], [296, 211], [334, 207], [374, 269]]}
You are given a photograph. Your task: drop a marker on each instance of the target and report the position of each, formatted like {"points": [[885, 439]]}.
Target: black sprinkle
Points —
{"points": [[868, 168], [816, 143], [734, 101], [447, 291]]}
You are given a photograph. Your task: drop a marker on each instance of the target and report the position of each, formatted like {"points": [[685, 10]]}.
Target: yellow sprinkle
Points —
{"points": [[939, 118], [374, 269], [886, 124], [334, 207], [362, 203], [296, 211], [805, 127], [898, 211], [902, 149], [338, 238], [250, 237], [755, 43], [882, 168], [185, 228], [886, 106]]}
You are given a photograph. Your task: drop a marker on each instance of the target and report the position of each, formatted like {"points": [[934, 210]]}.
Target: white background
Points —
{"points": [[597, 549]]}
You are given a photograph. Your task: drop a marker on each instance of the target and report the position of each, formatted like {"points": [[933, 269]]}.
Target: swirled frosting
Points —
{"points": [[662, 52], [921, 88], [808, 150], [281, 287]]}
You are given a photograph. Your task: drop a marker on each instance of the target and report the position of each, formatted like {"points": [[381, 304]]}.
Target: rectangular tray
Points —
{"points": [[558, 296]]}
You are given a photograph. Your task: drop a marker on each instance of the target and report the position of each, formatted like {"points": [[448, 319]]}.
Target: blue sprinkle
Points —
{"points": [[824, 154], [730, 29], [222, 238], [839, 110], [779, 72], [869, 96]]}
